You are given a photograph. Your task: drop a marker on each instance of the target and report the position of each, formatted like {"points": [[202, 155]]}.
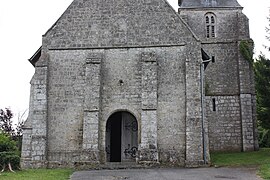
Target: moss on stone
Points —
{"points": [[246, 49]]}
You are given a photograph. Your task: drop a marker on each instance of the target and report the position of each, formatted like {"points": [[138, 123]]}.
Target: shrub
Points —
{"points": [[9, 154]]}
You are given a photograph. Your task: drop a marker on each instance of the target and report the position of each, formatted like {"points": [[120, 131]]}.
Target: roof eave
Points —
{"points": [[35, 57]]}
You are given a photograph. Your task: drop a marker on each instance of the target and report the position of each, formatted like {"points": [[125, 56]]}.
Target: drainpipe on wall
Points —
{"points": [[205, 61]]}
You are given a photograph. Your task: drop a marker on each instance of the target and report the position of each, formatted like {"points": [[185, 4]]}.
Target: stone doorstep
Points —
{"points": [[133, 165], [143, 165], [121, 165], [88, 165]]}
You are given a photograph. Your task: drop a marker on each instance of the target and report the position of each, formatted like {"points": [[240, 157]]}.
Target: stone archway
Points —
{"points": [[121, 137]]}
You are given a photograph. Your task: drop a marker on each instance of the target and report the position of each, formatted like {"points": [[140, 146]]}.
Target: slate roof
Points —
{"points": [[209, 3]]}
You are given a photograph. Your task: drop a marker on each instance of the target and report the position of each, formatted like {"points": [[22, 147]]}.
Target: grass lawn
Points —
{"points": [[37, 174], [257, 158]]}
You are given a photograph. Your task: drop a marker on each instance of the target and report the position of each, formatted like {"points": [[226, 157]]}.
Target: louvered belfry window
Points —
{"points": [[210, 23]]}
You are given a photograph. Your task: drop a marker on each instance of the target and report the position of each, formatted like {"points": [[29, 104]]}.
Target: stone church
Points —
{"points": [[133, 81]]}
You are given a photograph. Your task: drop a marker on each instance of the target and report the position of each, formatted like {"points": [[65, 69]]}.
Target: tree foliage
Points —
{"points": [[246, 49], [268, 33], [6, 143], [9, 154], [10, 141], [262, 78], [8, 127], [6, 121]]}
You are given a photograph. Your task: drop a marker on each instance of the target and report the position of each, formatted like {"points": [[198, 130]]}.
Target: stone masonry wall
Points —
{"points": [[65, 103], [79, 108], [228, 79], [148, 150], [121, 88], [195, 149], [126, 65], [92, 106], [247, 94], [230, 23], [133, 23], [221, 76], [95, 68], [171, 106], [34, 150], [224, 123], [247, 122]]}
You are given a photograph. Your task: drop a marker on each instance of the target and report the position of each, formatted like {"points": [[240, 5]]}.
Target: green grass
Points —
{"points": [[242, 158], [257, 158], [38, 174], [264, 171]]}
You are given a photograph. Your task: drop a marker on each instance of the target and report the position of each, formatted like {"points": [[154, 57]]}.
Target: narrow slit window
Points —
{"points": [[214, 104], [213, 59]]}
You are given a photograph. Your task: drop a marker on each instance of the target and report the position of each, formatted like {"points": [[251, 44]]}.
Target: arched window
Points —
{"points": [[210, 24]]}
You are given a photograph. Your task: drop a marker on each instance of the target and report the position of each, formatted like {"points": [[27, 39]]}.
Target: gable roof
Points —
{"points": [[117, 23], [209, 3]]}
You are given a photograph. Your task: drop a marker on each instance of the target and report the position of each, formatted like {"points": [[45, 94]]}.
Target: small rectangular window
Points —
{"points": [[213, 59], [214, 104]]}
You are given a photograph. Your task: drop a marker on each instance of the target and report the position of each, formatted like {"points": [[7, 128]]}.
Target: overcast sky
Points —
{"points": [[23, 22]]}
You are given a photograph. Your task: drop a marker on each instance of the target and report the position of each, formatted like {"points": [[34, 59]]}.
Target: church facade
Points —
{"points": [[135, 81]]}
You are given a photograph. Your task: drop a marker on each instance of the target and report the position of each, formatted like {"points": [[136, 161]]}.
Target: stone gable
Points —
{"points": [[117, 23]]}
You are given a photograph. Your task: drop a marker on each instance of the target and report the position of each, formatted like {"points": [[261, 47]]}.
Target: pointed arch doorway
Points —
{"points": [[121, 137]]}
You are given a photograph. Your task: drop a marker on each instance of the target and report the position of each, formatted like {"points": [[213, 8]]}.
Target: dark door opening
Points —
{"points": [[121, 137], [115, 141]]}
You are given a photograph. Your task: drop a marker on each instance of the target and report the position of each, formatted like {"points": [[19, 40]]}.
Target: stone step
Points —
{"points": [[121, 165]]}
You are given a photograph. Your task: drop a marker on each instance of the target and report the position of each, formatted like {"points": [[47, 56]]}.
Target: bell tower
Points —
{"points": [[229, 83]]}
